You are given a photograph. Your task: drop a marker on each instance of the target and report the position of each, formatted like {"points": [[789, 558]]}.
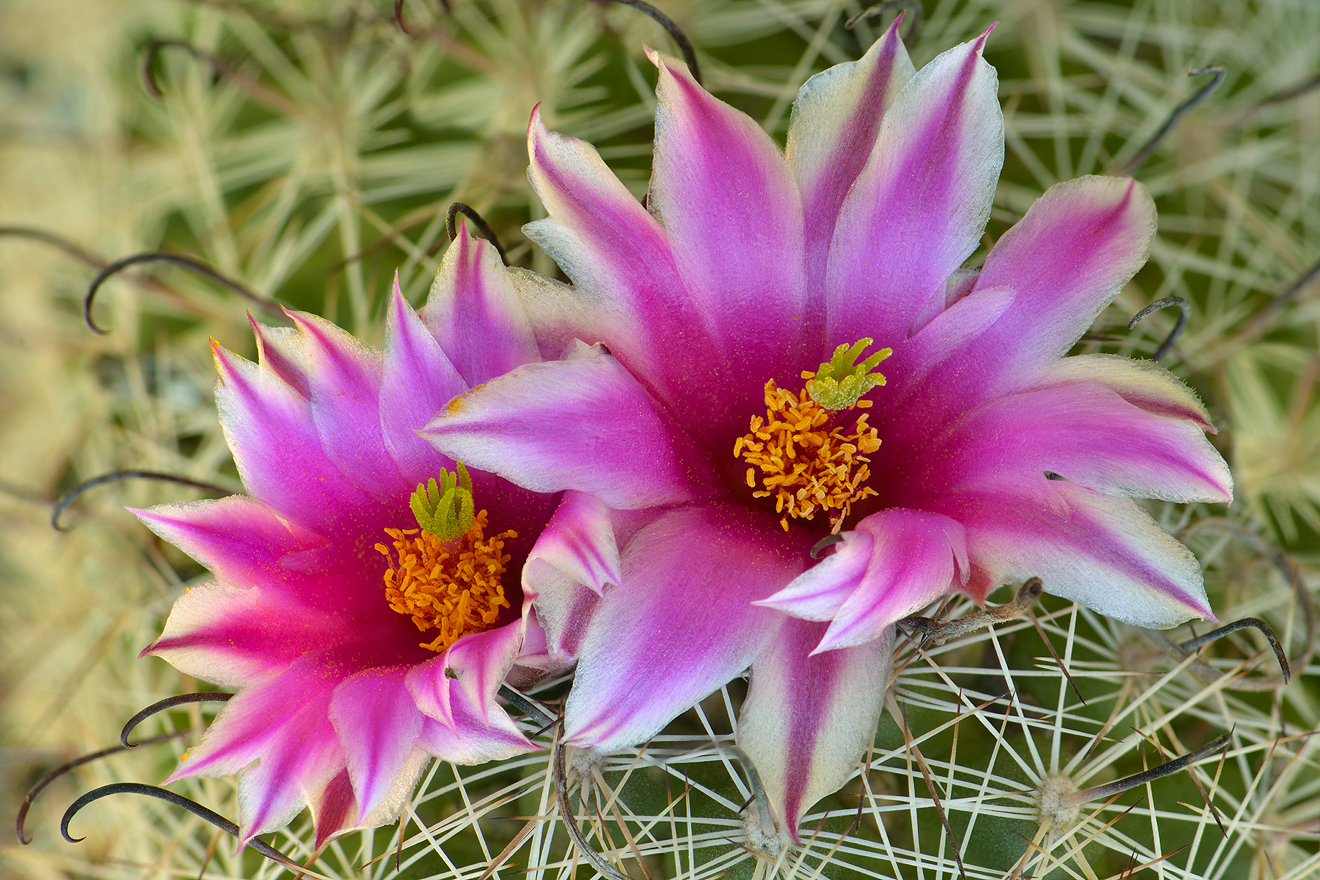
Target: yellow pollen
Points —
{"points": [[805, 463], [454, 586]]}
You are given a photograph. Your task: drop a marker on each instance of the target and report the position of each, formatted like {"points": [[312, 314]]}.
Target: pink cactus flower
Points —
{"points": [[721, 375], [364, 630]]}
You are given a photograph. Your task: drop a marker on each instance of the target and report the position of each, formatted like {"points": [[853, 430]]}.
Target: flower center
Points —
{"points": [[446, 575], [808, 452]]}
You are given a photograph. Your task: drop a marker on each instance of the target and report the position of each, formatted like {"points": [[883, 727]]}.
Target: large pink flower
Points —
{"points": [[987, 456], [347, 687]]}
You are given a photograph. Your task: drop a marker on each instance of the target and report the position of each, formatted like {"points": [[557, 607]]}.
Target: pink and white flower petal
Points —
{"points": [[682, 624], [334, 809], [894, 563], [1065, 260], [378, 727], [579, 541], [471, 742], [582, 424], [1100, 550], [281, 723], [619, 257], [835, 122], [345, 381], [809, 718], [277, 449], [481, 661], [240, 540], [1141, 383], [236, 637], [471, 671], [281, 350], [820, 591], [418, 380], [564, 606], [474, 312], [730, 205], [1088, 434], [918, 209]]}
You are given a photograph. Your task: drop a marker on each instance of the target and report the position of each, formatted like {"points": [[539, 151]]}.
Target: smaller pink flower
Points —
{"points": [[361, 643]]}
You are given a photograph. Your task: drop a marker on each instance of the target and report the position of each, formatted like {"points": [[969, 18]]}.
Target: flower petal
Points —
{"points": [[240, 540], [235, 637], [282, 724], [831, 133], [730, 205], [819, 592], [334, 809], [281, 350], [474, 312], [894, 563], [1100, 550], [1088, 434], [918, 209], [473, 741], [418, 380], [579, 541], [620, 261], [581, 424], [345, 377], [1065, 260], [268, 425], [1140, 382], [807, 720], [481, 661], [681, 625], [378, 727]]}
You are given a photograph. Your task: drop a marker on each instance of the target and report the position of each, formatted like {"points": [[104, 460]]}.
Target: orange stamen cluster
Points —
{"points": [[453, 586], [807, 463]]}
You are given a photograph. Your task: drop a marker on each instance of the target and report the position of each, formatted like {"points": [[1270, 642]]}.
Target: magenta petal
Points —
{"points": [[621, 263], [282, 724], [475, 314], [835, 122], [681, 625], [235, 637], [1088, 434], [418, 380], [726, 197], [581, 424], [564, 607], [919, 208], [579, 541], [892, 564], [917, 558], [268, 425], [240, 540], [281, 351], [470, 672], [1142, 383], [481, 661], [1100, 550], [819, 592], [345, 378], [807, 720], [473, 741], [378, 727], [334, 810], [1065, 261]]}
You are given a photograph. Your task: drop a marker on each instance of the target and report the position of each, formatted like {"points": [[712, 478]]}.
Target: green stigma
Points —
{"points": [[840, 383], [446, 510]]}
